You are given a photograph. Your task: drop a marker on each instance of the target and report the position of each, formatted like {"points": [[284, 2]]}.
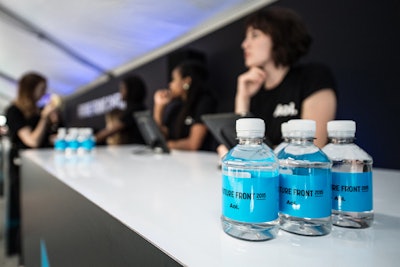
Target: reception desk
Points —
{"points": [[118, 207]]}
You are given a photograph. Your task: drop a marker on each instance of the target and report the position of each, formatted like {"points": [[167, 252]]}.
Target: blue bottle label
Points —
{"points": [[73, 144], [60, 144], [352, 192], [250, 196], [87, 144], [305, 196]]}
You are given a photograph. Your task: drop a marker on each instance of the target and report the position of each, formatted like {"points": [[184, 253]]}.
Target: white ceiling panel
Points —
{"points": [[74, 43]]}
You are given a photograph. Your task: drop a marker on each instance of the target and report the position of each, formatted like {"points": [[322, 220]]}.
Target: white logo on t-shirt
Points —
{"points": [[283, 110]]}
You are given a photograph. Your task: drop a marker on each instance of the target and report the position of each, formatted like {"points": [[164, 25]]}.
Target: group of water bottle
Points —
{"points": [[297, 187], [74, 141]]}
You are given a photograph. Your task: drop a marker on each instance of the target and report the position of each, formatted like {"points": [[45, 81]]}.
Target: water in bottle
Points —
{"points": [[250, 180], [284, 130], [72, 141], [86, 140], [352, 194], [305, 183], [60, 143]]}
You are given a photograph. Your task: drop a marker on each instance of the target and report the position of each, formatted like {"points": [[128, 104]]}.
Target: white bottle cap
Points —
{"points": [[89, 131], [302, 128], [250, 127], [285, 129], [341, 128], [62, 130], [73, 132]]}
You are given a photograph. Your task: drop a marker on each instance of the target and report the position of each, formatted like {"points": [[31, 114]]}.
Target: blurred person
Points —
{"points": [[276, 87], [114, 117], [178, 109], [28, 127], [55, 122], [133, 92]]}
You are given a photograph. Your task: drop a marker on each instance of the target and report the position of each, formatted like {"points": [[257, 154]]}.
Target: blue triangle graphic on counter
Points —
{"points": [[43, 254]]}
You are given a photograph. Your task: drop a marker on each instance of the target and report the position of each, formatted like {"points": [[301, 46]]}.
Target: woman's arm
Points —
{"points": [[33, 138], [320, 107], [248, 84], [194, 141], [106, 132], [161, 99]]}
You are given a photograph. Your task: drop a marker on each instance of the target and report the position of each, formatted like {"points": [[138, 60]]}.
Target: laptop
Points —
{"points": [[150, 131], [223, 127]]}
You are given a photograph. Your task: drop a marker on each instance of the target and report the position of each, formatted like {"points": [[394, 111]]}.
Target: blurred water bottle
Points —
{"points": [[250, 180], [285, 128], [86, 140], [305, 183], [60, 143], [352, 191], [72, 141]]}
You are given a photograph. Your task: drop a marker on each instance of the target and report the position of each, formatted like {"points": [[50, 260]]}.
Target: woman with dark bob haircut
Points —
{"points": [[276, 87]]}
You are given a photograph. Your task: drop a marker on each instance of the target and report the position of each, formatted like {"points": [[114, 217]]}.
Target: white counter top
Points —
{"points": [[174, 201]]}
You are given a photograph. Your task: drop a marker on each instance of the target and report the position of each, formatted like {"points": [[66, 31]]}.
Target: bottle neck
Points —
{"points": [[301, 140], [250, 140], [341, 140]]}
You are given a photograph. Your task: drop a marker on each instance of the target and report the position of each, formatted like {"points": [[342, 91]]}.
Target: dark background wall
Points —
{"points": [[358, 39]]}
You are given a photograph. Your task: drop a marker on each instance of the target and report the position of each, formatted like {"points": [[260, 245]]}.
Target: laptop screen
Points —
{"points": [[150, 131]]}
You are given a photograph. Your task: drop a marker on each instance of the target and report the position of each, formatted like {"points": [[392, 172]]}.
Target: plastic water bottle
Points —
{"points": [[305, 183], [352, 191], [72, 141], [86, 140], [60, 143], [250, 180], [285, 141]]}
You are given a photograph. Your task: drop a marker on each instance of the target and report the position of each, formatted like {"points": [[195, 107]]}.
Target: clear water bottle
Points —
{"points": [[72, 141], [86, 140], [250, 180], [60, 143], [305, 183], [352, 191], [285, 140]]}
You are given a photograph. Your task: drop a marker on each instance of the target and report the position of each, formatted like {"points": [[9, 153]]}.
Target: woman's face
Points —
{"points": [[176, 84], [257, 48], [39, 91]]}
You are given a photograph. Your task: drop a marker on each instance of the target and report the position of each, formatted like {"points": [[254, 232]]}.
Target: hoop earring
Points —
{"points": [[186, 86]]}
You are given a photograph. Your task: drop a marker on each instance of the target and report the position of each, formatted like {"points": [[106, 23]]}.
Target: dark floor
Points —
{"points": [[5, 261]]}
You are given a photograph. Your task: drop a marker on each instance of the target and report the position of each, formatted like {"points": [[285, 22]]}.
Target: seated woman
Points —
{"points": [[275, 86], [133, 91], [113, 118], [178, 110]]}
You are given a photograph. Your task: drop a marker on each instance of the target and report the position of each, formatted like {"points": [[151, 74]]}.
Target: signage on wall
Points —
{"points": [[100, 106]]}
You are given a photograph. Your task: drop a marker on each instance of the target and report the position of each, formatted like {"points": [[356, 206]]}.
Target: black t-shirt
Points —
{"points": [[205, 105], [284, 102], [131, 132], [16, 121]]}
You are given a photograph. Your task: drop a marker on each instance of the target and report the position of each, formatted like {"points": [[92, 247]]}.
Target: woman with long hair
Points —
{"points": [[178, 109], [133, 92], [29, 127]]}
